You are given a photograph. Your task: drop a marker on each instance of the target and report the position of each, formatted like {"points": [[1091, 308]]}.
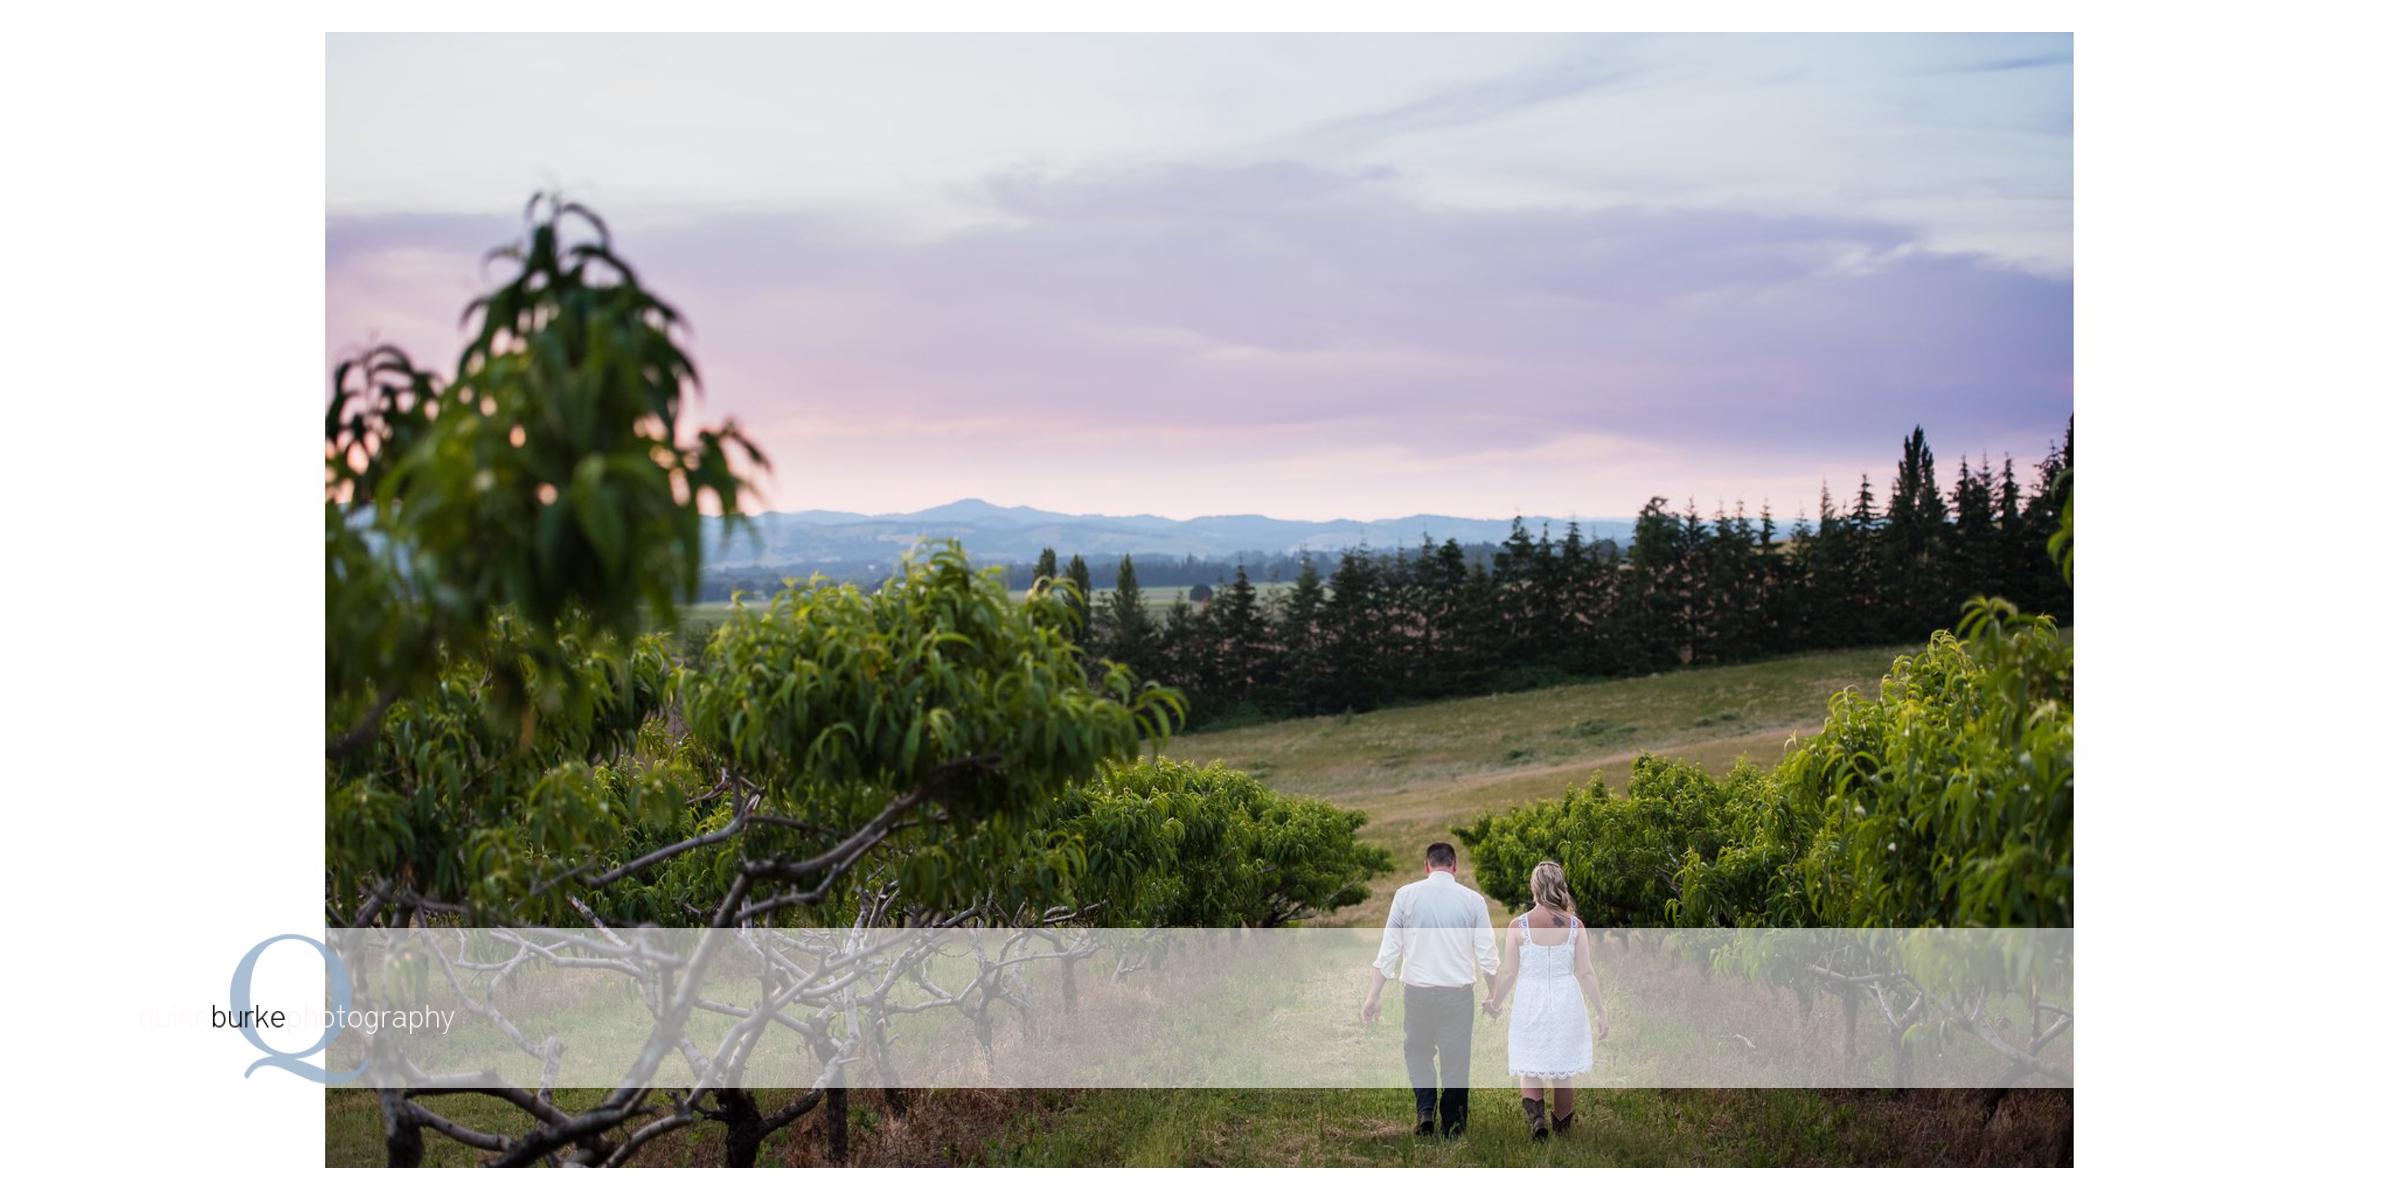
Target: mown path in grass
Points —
{"points": [[1418, 771]]}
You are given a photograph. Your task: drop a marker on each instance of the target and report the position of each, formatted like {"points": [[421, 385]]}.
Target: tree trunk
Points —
{"points": [[837, 1124], [403, 1138], [1849, 1024], [744, 1129]]}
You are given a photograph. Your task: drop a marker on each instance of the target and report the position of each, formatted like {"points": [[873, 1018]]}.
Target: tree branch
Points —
{"points": [[360, 735], [453, 1130]]}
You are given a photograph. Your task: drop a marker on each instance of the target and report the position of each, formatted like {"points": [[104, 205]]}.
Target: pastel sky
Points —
{"points": [[1350, 276]]}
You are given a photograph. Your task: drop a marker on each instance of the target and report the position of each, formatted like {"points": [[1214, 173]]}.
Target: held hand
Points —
{"points": [[1491, 1007]]}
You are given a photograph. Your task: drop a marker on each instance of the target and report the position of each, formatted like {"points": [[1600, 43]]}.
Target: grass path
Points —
{"points": [[1420, 770]]}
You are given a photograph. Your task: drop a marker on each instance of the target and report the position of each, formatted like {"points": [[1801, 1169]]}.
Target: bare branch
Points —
{"points": [[2023, 1060], [633, 1145], [374, 905], [732, 828], [453, 1130]]}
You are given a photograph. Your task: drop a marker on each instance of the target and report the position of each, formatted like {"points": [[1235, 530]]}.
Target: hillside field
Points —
{"points": [[1421, 769]]}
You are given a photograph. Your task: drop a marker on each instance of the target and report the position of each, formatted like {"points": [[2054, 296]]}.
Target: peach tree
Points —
{"points": [[508, 742]]}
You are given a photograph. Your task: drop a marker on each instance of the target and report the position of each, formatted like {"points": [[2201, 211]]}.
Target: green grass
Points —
{"points": [[1755, 1127], [1232, 1128], [1316, 1128]]}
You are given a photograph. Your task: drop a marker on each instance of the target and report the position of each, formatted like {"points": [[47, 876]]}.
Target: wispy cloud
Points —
{"points": [[2021, 62], [1469, 104]]}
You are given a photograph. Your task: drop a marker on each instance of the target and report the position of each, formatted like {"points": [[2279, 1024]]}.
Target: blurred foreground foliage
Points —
{"points": [[506, 744]]}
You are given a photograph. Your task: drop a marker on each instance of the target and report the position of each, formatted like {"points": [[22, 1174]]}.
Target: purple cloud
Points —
{"points": [[1239, 320]]}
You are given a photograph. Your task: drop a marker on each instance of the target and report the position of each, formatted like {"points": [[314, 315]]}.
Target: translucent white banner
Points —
{"points": [[1067, 1007]]}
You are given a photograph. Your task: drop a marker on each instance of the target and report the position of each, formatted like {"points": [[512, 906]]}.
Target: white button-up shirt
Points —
{"points": [[1438, 933]]}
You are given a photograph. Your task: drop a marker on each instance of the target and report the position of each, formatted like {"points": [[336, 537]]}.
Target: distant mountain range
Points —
{"points": [[992, 533]]}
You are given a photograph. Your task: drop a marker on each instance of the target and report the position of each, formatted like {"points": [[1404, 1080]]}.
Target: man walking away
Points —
{"points": [[1436, 940]]}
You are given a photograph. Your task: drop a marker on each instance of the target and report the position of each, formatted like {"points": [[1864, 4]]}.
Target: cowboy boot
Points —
{"points": [[1533, 1118]]}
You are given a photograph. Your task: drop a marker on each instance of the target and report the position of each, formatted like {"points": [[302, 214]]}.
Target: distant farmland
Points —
{"points": [[1157, 599]]}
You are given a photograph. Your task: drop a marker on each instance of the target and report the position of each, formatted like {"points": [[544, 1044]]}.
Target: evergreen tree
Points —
{"points": [[2012, 502], [1184, 654], [1605, 651], [1297, 634], [1129, 634], [1420, 607], [1451, 619], [2014, 569], [1246, 649], [1482, 629], [1915, 543], [1352, 678], [1862, 572], [2045, 590], [1513, 570], [1829, 616], [1689, 597], [1081, 577], [1654, 616], [1975, 535], [1728, 615], [1777, 587], [1452, 666], [1545, 601], [1576, 612]]}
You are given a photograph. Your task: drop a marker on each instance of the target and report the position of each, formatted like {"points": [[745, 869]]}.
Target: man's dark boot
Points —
{"points": [[1424, 1122], [1533, 1118]]}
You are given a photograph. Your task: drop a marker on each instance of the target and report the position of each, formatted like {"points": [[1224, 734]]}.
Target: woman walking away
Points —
{"points": [[1546, 962]]}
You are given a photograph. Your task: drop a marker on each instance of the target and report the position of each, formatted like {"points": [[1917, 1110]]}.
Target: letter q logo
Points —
{"points": [[339, 977]]}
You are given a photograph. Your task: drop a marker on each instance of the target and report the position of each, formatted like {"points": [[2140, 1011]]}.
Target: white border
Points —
{"points": [[166, 209]]}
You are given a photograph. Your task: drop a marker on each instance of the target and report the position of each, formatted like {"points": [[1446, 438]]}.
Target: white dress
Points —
{"points": [[1549, 1030]]}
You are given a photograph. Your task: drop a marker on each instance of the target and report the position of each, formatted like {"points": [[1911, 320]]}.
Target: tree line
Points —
{"points": [[1203, 573], [1189, 570], [1441, 620]]}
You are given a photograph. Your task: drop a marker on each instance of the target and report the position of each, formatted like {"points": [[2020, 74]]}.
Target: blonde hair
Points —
{"points": [[1550, 888]]}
